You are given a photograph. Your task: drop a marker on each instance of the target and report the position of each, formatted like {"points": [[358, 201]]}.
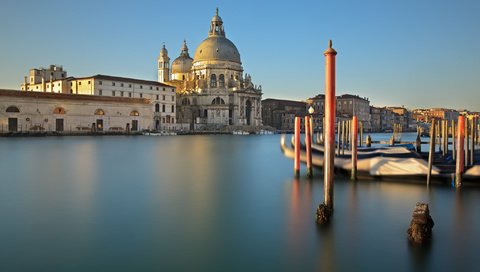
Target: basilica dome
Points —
{"points": [[182, 64], [217, 46]]}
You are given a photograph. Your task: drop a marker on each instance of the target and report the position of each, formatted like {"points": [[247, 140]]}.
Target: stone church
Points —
{"points": [[212, 89]]}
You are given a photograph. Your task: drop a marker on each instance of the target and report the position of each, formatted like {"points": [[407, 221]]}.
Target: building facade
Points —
{"points": [[66, 113], [212, 89], [347, 106], [162, 97], [281, 114]]}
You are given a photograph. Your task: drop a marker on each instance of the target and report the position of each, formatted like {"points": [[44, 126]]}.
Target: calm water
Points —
{"points": [[210, 203]]}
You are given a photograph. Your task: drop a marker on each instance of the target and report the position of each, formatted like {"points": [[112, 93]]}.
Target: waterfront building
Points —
{"points": [[347, 106], [281, 114], [162, 96], [212, 90], [427, 115], [68, 113]]}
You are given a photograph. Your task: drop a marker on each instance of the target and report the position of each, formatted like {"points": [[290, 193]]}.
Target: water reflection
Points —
{"points": [[211, 203]]}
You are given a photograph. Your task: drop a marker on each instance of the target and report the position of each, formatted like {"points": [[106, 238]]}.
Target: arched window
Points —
{"points": [[213, 81], [59, 110], [185, 101], [218, 101], [99, 112], [12, 109], [157, 107], [134, 113], [221, 81]]}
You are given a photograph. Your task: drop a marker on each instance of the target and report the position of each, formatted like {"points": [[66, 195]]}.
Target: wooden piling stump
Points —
{"points": [[420, 229]]}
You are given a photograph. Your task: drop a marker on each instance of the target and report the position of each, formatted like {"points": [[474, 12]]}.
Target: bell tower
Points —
{"points": [[216, 26], [163, 66]]}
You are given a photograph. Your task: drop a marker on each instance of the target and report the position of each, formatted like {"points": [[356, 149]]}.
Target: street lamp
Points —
{"points": [[311, 110]]}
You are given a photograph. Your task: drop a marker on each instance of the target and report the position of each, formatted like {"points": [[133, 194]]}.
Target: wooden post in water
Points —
{"points": [[368, 141], [472, 136], [438, 130], [343, 137], [339, 135], [454, 153], [349, 133], [361, 134], [460, 156], [354, 140], [431, 152], [296, 161], [467, 142], [308, 145], [418, 143], [330, 105]]}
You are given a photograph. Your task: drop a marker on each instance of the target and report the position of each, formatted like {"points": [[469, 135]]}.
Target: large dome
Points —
{"points": [[217, 48]]}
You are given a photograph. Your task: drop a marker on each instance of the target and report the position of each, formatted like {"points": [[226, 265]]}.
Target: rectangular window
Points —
{"points": [[173, 98], [129, 85], [141, 87], [173, 90], [129, 94], [100, 92], [100, 82], [58, 84], [121, 93], [71, 83], [113, 83], [121, 85], [151, 88], [157, 88], [89, 82], [79, 83], [158, 96], [163, 98], [164, 89], [141, 95], [113, 93]]}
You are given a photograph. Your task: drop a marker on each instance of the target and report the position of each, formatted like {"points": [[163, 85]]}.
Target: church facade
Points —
{"points": [[212, 89]]}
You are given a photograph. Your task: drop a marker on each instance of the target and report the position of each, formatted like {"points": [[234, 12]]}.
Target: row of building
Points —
{"points": [[280, 114]]}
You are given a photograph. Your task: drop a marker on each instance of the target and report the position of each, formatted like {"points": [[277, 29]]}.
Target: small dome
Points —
{"points": [[163, 51], [182, 64], [217, 48]]}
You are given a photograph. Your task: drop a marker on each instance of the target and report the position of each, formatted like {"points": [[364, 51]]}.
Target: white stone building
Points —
{"points": [[212, 88], [161, 96], [67, 113]]}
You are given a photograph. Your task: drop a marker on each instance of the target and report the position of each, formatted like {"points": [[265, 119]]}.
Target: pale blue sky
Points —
{"points": [[406, 52]]}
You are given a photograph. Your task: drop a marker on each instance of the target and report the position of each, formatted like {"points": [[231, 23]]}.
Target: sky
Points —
{"points": [[417, 54]]}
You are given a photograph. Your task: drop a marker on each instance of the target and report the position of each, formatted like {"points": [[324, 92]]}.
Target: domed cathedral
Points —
{"points": [[212, 88]]}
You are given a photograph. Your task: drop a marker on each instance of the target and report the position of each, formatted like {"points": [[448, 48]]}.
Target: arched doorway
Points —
{"points": [[248, 111]]}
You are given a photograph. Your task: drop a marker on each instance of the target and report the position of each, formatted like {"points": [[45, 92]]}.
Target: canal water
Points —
{"points": [[211, 203]]}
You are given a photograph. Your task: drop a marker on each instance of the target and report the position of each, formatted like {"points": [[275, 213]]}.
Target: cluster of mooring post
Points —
{"points": [[325, 209], [308, 146]]}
